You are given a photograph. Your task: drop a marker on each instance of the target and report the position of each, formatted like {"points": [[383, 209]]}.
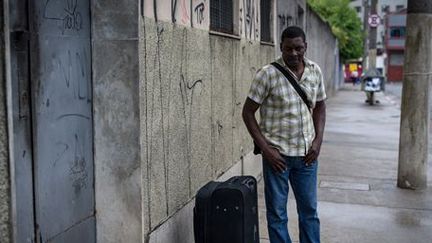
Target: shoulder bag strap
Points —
{"points": [[293, 82]]}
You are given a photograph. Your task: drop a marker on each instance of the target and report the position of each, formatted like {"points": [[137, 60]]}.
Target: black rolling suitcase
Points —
{"points": [[227, 212]]}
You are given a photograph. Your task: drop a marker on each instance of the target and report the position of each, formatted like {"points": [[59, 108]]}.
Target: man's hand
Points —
{"points": [[273, 157], [313, 152]]}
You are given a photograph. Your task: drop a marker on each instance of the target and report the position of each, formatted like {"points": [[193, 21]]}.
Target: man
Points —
{"points": [[289, 136]]}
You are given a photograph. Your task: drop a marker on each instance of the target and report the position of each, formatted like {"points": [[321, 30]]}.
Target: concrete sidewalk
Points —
{"points": [[358, 197]]}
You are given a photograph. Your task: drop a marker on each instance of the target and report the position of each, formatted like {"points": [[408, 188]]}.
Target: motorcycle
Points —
{"points": [[372, 82]]}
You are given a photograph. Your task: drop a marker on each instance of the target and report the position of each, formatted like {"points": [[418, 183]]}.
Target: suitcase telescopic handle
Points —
{"points": [[250, 183]]}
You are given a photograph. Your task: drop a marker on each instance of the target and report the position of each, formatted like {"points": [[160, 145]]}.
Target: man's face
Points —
{"points": [[293, 50]]}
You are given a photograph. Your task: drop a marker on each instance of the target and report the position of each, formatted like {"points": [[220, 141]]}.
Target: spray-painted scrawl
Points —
{"points": [[250, 19], [192, 13], [285, 20], [70, 18], [199, 12]]}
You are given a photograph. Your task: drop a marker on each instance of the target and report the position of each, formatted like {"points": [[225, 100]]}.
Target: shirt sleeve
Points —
{"points": [[321, 94], [259, 88]]}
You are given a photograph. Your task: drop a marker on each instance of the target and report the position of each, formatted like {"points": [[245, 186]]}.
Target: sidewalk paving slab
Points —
{"points": [[359, 201]]}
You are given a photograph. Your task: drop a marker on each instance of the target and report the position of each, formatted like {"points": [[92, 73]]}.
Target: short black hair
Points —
{"points": [[293, 32]]}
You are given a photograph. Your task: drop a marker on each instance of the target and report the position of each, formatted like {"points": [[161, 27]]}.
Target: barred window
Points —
{"points": [[399, 7], [357, 9], [266, 21], [221, 16]]}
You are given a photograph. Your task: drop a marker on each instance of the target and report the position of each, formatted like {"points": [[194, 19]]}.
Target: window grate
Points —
{"points": [[221, 16]]}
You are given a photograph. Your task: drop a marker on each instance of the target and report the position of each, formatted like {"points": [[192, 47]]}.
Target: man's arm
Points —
{"points": [[271, 154], [319, 118]]}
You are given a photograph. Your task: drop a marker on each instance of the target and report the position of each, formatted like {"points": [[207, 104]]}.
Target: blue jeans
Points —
{"points": [[303, 180]]}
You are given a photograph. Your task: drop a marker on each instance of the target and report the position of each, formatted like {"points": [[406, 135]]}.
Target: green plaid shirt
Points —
{"points": [[285, 120]]}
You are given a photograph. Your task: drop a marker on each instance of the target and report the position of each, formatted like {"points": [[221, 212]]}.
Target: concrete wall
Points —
{"points": [[5, 199], [323, 49], [192, 88], [116, 120], [287, 14]]}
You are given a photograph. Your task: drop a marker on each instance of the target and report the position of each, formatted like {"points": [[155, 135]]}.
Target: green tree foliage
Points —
{"points": [[345, 24]]}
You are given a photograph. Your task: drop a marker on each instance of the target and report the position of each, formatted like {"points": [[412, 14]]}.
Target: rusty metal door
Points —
{"points": [[60, 62]]}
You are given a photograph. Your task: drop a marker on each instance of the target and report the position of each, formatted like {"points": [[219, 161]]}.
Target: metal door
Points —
{"points": [[21, 160], [60, 62]]}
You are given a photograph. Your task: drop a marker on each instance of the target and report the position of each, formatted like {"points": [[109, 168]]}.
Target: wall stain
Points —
{"points": [[219, 126], [160, 31]]}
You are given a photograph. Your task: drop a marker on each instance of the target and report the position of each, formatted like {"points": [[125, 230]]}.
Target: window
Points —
{"points": [[397, 32], [397, 59], [358, 9], [266, 21], [221, 16], [399, 7]]}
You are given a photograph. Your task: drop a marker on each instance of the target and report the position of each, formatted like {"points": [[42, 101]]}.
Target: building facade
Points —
{"points": [[116, 112], [383, 8], [395, 44]]}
